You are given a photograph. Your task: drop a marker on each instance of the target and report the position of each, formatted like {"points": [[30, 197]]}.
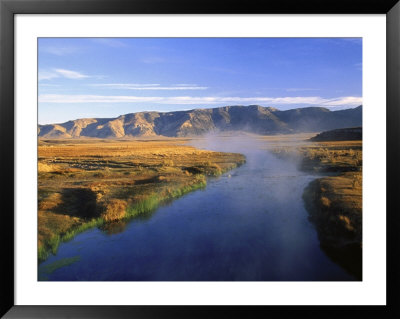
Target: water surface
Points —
{"points": [[248, 224]]}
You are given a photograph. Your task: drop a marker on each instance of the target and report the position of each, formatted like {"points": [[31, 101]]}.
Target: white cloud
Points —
{"points": [[133, 86], [124, 85], [170, 88], [47, 75], [59, 98], [71, 74], [310, 101], [348, 100], [57, 73]]}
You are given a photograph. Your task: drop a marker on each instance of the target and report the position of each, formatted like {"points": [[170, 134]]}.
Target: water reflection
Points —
{"points": [[114, 227]]}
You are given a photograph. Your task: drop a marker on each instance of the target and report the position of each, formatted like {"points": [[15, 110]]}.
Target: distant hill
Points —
{"points": [[343, 134], [252, 118]]}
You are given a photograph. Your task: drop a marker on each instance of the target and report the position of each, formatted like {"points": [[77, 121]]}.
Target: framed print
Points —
{"points": [[162, 155]]}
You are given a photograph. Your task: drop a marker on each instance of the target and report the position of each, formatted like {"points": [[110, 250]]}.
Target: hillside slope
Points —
{"points": [[253, 118], [342, 134]]}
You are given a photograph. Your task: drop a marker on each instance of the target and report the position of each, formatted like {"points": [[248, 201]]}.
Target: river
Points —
{"points": [[249, 224]]}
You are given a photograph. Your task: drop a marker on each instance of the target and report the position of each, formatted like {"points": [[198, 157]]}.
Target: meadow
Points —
{"points": [[334, 202], [85, 183]]}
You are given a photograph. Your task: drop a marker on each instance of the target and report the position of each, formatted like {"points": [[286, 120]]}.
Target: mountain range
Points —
{"points": [[252, 118]]}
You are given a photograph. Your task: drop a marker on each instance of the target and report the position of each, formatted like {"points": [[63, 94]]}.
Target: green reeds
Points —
{"points": [[51, 245], [153, 201], [96, 222], [142, 207]]}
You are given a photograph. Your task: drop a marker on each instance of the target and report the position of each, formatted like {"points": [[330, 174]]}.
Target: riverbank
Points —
{"points": [[97, 183], [250, 224], [335, 207], [334, 202]]}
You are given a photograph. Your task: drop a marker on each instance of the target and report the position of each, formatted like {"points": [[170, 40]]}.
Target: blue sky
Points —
{"points": [[107, 77]]}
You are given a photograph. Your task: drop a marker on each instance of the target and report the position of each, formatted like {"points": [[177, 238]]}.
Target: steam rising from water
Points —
{"points": [[274, 186], [270, 176], [248, 224]]}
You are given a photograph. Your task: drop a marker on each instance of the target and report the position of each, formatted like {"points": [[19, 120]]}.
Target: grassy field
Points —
{"points": [[334, 202], [88, 183]]}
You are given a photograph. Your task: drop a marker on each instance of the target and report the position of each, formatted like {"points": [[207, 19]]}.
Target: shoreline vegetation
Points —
{"points": [[87, 183], [334, 201]]}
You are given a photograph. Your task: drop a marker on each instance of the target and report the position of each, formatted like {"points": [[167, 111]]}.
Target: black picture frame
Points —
{"points": [[8, 8]]}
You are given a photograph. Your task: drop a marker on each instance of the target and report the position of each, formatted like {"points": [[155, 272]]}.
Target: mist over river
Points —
{"points": [[248, 224]]}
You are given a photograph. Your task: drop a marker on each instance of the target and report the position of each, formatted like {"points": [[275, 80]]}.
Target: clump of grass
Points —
{"points": [[214, 169], [185, 189], [54, 242], [114, 209], [143, 206], [48, 246], [43, 253]]}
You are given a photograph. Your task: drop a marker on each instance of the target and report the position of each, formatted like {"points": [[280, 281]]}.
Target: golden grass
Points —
{"points": [[324, 156], [339, 196], [335, 202], [89, 182], [335, 207], [114, 210]]}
